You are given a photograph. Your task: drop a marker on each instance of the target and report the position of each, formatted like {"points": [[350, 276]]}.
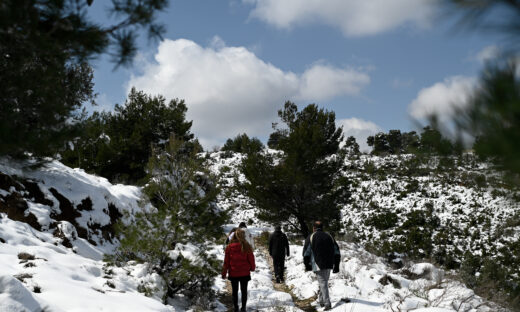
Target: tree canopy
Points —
{"points": [[303, 182], [243, 144], [45, 78], [117, 145]]}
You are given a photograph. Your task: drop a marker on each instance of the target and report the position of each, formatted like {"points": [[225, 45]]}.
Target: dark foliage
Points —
{"points": [[304, 182], [180, 224], [117, 145], [476, 16], [429, 142], [383, 221], [352, 146], [493, 116], [44, 75], [243, 144]]}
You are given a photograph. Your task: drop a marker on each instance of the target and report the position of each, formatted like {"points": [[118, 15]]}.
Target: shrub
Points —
{"points": [[243, 144], [179, 219], [383, 221]]}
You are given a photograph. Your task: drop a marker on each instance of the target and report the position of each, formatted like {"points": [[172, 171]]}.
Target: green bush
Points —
{"points": [[117, 145], [178, 212], [383, 221], [243, 144]]}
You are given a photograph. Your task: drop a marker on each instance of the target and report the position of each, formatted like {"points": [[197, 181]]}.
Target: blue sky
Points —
{"points": [[376, 63]]}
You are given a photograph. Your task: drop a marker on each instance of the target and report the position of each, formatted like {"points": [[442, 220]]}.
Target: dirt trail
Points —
{"points": [[305, 304], [261, 298]]}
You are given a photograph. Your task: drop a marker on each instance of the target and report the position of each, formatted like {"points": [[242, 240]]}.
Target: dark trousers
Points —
{"points": [[243, 289], [279, 266]]}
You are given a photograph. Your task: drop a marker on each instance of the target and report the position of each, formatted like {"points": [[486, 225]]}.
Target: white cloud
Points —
{"points": [[229, 90], [487, 53], [443, 98], [352, 17], [360, 129], [321, 82]]}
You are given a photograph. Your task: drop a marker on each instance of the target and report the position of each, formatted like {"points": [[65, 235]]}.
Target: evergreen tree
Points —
{"points": [[432, 142], [273, 140], [395, 141], [304, 181], [352, 146], [493, 116], [44, 74], [117, 145], [243, 144], [410, 142], [178, 223], [379, 143]]}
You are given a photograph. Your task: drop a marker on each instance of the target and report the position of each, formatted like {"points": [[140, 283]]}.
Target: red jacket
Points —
{"points": [[236, 262]]}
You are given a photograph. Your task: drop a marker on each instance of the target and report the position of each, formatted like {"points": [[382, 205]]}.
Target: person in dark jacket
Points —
{"points": [[239, 261], [321, 255], [278, 248]]}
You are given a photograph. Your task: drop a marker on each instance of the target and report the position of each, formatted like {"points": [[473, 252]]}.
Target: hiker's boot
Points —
{"points": [[278, 280], [243, 309], [236, 309], [327, 307]]}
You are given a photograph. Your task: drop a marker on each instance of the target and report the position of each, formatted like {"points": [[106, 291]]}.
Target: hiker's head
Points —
{"points": [[278, 228], [242, 225], [240, 236], [318, 225]]}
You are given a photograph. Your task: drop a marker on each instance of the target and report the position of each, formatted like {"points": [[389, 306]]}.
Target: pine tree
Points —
{"points": [[243, 144], [178, 223], [45, 47], [379, 142], [303, 182], [352, 146], [117, 145]]}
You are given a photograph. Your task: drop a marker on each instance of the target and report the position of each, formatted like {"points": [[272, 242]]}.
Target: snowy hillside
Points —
{"points": [[402, 209], [55, 226], [56, 223]]}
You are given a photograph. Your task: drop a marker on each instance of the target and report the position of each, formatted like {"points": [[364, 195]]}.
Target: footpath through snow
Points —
{"points": [[367, 281], [262, 295]]}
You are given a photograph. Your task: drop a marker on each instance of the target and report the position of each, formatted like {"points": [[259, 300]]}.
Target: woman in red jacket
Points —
{"points": [[238, 263]]}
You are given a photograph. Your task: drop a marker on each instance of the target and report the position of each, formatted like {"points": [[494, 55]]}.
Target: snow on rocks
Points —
{"points": [[45, 263], [51, 194], [58, 279]]}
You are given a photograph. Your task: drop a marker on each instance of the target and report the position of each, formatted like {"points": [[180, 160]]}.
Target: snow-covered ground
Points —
{"points": [[38, 272], [262, 295], [372, 286], [367, 280], [52, 247]]}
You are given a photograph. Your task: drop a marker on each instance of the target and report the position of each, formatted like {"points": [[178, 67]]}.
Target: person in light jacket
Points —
{"points": [[321, 255], [239, 262]]}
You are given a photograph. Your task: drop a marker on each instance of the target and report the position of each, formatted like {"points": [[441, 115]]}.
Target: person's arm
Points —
{"points": [[252, 240], [251, 259], [225, 266], [307, 252], [337, 257], [305, 245], [286, 245], [271, 245]]}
